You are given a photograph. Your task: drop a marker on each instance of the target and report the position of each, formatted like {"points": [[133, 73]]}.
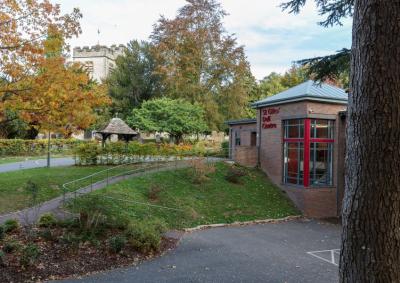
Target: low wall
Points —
{"points": [[246, 155], [314, 202]]}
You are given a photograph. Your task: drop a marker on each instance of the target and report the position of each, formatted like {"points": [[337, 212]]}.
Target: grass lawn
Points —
{"points": [[12, 159], [13, 195], [214, 201]]}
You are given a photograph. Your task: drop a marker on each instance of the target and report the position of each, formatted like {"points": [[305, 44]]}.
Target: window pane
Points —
{"points": [[322, 129], [237, 138], [294, 128], [294, 163], [321, 163]]}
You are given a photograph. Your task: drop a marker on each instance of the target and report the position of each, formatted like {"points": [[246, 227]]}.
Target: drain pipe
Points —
{"points": [[259, 139]]}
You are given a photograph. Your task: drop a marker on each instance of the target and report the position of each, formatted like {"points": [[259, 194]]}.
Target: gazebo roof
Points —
{"points": [[117, 127]]}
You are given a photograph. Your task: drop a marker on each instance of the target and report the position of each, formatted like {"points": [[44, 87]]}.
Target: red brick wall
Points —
{"points": [[245, 131], [246, 155]]}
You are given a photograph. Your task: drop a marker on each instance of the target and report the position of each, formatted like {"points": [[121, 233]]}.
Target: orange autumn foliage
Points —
{"points": [[37, 83]]}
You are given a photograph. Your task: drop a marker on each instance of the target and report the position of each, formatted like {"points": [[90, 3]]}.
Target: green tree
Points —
{"points": [[371, 207], [200, 62], [133, 79], [275, 83], [174, 116]]}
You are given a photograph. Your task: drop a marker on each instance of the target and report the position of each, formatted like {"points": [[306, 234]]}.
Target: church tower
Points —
{"points": [[99, 60]]}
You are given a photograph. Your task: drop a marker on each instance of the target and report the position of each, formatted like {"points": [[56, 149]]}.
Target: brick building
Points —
{"points": [[298, 140]]}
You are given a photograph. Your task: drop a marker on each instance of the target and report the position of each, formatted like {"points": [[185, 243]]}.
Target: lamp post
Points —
{"points": [[48, 150]]}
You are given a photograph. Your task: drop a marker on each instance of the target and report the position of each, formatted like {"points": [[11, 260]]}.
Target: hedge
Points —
{"points": [[19, 147], [121, 152]]}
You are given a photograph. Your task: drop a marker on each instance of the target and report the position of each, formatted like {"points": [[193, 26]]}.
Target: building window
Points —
{"points": [[308, 152], [237, 138], [321, 163], [294, 128], [321, 129], [294, 163]]}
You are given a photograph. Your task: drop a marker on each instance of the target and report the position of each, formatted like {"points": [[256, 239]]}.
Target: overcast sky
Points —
{"points": [[272, 38]]}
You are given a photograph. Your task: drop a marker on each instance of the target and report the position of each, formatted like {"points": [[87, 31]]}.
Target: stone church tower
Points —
{"points": [[99, 60]]}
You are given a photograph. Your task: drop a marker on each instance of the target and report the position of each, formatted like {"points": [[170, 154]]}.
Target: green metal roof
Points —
{"points": [[308, 90]]}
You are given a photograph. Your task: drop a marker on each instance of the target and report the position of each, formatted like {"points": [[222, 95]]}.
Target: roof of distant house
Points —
{"points": [[309, 90], [117, 127]]}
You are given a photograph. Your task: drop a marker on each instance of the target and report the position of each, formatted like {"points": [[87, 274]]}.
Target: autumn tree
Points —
{"points": [[174, 116], [133, 79], [200, 62], [24, 27], [371, 207], [66, 97]]}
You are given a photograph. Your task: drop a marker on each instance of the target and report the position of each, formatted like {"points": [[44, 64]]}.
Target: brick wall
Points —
{"points": [[246, 155], [244, 131]]}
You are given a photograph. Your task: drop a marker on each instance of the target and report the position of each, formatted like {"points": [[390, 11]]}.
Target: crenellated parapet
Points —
{"points": [[99, 51]]}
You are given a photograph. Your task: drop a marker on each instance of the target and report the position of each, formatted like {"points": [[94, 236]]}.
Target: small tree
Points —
{"points": [[176, 117]]}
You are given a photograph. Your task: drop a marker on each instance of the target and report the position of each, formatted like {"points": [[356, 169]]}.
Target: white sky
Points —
{"points": [[272, 38]]}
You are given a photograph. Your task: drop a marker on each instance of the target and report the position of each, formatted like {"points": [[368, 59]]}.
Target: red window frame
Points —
{"points": [[307, 140]]}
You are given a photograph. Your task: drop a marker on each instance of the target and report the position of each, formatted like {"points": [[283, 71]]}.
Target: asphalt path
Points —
{"points": [[281, 252], [29, 164]]}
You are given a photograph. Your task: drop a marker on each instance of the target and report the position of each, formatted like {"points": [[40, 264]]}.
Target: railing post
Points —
{"points": [[107, 177], [63, 195]]}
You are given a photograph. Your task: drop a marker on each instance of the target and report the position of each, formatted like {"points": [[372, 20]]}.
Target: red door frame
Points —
{"points": [[307, 137], [307, 140]]}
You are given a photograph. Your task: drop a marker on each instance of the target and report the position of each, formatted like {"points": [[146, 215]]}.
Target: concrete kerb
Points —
{"points": [[245, 223]]}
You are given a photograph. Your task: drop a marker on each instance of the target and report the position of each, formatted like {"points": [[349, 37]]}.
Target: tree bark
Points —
{"points": [[370, 249]]}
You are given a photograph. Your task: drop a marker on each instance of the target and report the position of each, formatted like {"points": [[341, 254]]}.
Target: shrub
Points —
{"points": [[47, 220], [11, 225], [29, 254], [200, 170], [88, 153], [69, 239], [91, 153], [154, 191], [117, 243], [225, 148], [234, 174], [32, 189], [20, 147], [2, 258], [97, 213], [145, 237], [10, 247], [2, 233], [46, 235]]}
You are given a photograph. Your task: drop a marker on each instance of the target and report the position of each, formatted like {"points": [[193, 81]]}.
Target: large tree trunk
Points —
{"points": [[371, 208]]}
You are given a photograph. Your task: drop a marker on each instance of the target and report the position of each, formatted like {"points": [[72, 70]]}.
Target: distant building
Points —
{"points": [[298, 139], [99, 60]]}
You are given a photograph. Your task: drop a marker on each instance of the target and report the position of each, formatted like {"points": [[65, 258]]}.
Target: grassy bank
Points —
{"points": [[14, 196], [214, 200]]}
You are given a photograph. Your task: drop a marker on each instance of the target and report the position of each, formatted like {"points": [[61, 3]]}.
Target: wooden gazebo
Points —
{"points": [[117, 127]]}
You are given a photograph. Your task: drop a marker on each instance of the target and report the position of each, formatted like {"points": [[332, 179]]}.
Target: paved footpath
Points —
{"points": [[29, 164], [258, 253]]}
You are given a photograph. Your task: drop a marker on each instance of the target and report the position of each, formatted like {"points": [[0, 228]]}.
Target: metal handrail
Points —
{"points": [[65, 185]]}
